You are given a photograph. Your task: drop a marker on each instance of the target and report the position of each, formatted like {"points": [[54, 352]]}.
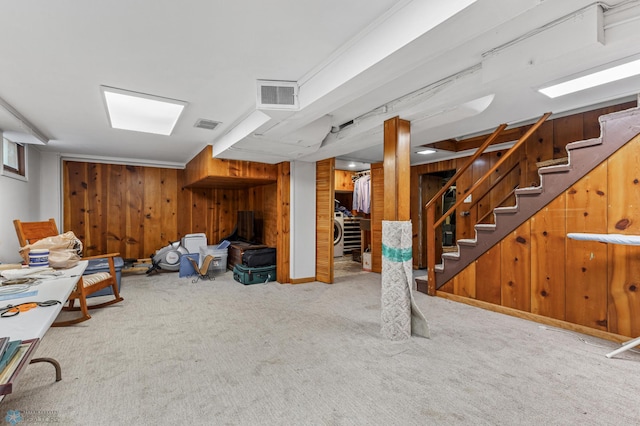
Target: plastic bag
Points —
{"points": [[65, 250]]}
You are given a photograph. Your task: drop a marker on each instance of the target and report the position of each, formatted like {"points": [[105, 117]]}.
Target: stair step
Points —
{"points": [[533, 190], [562, 168], [583, 144], [485, 227], [554, 162], [506, 210], [452, 255], [468, 243], [439, 267]]}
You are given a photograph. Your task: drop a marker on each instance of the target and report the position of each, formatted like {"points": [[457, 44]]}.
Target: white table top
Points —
{"points": [[629, 240], [35, 322]]}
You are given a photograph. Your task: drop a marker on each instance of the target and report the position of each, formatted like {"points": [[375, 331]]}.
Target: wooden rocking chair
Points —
{"points": [[30, 232]]}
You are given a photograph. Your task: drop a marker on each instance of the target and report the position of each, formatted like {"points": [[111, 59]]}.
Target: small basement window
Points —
{"points": [[14, 159]]}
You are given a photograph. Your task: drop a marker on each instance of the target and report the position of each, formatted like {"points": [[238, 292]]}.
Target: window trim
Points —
{"points": [[22, 172]]}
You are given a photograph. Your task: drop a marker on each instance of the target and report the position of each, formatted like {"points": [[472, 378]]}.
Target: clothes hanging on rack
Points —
{"points": [[358, 175], [362, 194]]}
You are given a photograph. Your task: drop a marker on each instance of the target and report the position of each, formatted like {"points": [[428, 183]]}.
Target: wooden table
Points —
{"points": [[31, 326]]}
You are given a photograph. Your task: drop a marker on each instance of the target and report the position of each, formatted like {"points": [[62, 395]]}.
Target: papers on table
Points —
{"points": [[28, 272]]}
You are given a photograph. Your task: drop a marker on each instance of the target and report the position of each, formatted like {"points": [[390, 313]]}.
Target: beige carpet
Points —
{"points": [[344, 266], [220, 353]]}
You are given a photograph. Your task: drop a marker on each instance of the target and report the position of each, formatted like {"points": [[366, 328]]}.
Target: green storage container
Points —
{"points": [[249, 275]]}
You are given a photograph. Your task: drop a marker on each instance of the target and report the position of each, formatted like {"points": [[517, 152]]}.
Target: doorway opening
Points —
{"points": [[430, 184], [349, 238]]}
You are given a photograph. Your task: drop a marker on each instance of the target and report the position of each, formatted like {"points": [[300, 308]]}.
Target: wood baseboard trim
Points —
{"points": [[302, 280], [535, 318]]}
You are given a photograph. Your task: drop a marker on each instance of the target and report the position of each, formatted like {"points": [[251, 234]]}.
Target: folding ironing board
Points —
{"points": [[629, 240]]}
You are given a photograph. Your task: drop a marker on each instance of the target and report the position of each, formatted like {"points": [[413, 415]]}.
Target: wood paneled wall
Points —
{"points": [[136, 210], [116, 208], [537, 269]]}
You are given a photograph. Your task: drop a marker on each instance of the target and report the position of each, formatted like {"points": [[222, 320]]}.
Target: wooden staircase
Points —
{"points": [[583, 156]]}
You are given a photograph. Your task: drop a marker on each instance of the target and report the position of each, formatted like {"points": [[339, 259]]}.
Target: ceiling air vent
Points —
{"points": [[277, 94], [203, 123]]}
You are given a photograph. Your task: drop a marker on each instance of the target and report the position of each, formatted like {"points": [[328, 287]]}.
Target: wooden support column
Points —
{"points": [[325, 196], [283, 225], [377, 213], [397, 166]]}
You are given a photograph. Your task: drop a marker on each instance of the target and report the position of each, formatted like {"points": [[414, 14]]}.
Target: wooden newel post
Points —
{"points": [[431, 250]]}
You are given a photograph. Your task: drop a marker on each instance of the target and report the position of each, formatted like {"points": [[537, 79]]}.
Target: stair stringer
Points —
{"points": [[616, 130]]}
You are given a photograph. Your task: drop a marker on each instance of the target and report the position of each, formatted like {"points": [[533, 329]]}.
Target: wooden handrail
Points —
{"points": [[466, 165], [493, 185], [502, 159], [430, 206], [505, 198]]}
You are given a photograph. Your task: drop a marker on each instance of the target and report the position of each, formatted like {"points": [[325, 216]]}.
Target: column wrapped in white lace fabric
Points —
{"points": [[400, 315]]}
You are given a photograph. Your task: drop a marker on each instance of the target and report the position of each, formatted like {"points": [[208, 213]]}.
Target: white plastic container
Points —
{"points": [[193, 242]]}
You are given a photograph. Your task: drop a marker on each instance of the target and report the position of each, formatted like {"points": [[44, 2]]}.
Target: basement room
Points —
{"points": [[320, 212]]}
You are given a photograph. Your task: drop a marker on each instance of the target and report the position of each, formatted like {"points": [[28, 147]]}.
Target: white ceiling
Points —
{"points": [[353, 60]]}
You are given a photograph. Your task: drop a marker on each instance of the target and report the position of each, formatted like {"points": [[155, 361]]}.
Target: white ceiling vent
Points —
{"points": [[277, 94], [203, 123]]}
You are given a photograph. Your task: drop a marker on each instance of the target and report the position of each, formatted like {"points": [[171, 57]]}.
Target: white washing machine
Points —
{"points": [[338, 234]]}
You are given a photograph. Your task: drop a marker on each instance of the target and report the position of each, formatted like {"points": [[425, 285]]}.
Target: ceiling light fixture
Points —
{"points": [[426, 151], [592, 80], [141, 112], [352, 165]]}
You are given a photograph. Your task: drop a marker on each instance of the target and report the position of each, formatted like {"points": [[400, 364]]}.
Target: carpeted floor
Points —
{"points": [[220, 353], [344, 266]]}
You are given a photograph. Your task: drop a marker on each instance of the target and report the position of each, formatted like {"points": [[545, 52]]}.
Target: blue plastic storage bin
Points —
{"points": [[102, 265]]}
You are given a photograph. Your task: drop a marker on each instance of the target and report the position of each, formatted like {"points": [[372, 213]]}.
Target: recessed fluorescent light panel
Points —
{"points": [[141, 112], [592, 80], [426, 151]]}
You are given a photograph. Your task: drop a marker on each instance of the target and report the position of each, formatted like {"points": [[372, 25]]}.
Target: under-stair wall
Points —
{"points": [[536, 269]]}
